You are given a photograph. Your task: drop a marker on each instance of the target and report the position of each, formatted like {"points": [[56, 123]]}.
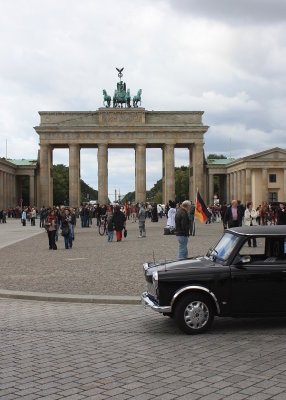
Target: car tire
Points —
{"points": [[194, 313]]}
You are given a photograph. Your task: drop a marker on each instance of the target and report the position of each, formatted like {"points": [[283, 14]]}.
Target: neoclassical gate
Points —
{"points": [[135, 128]]}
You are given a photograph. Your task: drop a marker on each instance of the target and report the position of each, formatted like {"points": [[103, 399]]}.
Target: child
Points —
{"points": [[110, 228]]}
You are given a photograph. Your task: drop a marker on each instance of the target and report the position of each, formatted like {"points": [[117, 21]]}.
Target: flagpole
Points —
{"points": [[193, 230]]}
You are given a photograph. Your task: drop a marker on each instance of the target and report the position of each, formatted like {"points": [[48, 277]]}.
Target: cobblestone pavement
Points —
{"points": [[93, 266], [82, 351]]}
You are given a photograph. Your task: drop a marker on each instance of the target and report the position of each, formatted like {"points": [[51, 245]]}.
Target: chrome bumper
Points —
{"points": [[147, 302]]}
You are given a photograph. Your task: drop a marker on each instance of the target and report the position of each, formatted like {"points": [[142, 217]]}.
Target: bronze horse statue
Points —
{"points": [[106, 98], [137, 98]]}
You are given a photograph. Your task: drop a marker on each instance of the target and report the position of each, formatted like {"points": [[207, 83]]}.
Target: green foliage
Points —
{"points": [[216, 157], [154, 195], [61, 186], [87, 192]]}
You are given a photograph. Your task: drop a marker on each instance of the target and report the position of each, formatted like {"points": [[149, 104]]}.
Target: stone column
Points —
{"points": [[228, 188], [211, 188], [140, 173], [248, 185], [239, 185], [235, 185], [32, 190], [45, 175], [198, 169], [164, 201], [169, 164], [231, 194], [1, 190], [192, 194], [265, 196], [74, 175], [243, 184], [102, 157]]}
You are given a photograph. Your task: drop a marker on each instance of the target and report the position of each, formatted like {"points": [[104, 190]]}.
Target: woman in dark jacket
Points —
{"points": [[119, 222], [154, 213]]}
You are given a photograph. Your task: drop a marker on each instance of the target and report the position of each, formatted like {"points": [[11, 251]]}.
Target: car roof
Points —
{"points": [[259, 230]]}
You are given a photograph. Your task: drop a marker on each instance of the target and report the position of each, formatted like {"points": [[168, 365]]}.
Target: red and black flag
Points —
{"points": [[201, 212]]}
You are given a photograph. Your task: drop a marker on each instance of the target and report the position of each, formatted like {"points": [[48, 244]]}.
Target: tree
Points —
{"points": [[61, 186], [214, 156]]}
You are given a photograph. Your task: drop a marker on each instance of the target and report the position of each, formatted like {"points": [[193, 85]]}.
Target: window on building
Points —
{"points": [[273, 197], [272, 178]]}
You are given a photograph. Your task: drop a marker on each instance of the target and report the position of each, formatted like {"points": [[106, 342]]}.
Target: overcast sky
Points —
{"points": [[225, 57]]}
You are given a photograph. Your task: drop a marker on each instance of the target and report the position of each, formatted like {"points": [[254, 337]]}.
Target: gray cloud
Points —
{"points": [[231, 11], [224, 57]]}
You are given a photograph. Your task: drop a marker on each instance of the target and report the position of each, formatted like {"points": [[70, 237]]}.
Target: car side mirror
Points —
{"points": [[245, 259]]}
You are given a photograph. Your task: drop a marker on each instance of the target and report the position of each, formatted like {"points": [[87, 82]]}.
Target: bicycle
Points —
{"points": [[102, 226]]}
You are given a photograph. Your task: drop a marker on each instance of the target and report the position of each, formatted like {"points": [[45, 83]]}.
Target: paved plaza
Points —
{"points": [[53, 350], [93, 266], [84, 351]]}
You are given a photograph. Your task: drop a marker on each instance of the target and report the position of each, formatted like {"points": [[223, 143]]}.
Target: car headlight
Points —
{"points": [[155, 282]]}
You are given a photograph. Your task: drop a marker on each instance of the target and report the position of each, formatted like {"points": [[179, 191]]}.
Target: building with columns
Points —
{"points": [[134, 128], [11, 176], [257, 178]]}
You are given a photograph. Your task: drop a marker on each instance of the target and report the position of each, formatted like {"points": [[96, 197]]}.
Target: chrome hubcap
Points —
{"points": [[196, 314]]}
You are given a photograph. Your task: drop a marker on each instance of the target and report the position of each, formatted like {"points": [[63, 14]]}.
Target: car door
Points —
{"points": [[259, 286]]}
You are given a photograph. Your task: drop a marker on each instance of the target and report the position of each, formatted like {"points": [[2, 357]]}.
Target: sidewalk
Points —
{"points": [[13, 231]]}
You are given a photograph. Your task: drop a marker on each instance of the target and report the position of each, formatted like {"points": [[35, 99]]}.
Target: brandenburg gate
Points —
{"points": [[121, 127]]}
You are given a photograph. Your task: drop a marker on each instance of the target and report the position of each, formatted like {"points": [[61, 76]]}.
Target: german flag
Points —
{"points": [[201, 212]]}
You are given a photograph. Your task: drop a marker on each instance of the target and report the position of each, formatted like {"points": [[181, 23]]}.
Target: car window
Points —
{"points": [[267, 250], [225, 246], [259, 249]]}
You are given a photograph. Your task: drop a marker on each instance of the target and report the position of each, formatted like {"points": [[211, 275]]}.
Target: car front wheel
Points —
{"points": [[194, 313]]}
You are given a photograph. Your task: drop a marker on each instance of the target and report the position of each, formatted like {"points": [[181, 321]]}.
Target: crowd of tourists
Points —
{"points": [[180, 219]]}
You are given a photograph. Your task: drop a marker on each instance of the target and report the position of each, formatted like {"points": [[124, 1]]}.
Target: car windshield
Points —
{"points": [[224, 247]]}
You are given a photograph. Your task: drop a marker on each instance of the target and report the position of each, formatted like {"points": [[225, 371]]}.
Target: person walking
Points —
{"points": [[142, 220], [250, 219], [119, 222], [281, 215], [232, 215], [67, 229], [110, 228], [24, 217], [51, 227], [171, 217], [183, 228]]}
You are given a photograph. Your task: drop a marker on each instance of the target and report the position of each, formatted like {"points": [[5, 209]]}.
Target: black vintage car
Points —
{"points": [[244, 275]]}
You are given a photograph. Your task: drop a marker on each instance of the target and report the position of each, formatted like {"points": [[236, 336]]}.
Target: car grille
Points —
{"points": [[151, 289]]}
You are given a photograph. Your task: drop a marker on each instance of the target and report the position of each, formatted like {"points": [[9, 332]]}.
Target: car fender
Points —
{"points": [[196, 288]]}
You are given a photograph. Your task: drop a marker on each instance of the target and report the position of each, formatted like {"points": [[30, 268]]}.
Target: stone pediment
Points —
{"points": [[272, 154]]}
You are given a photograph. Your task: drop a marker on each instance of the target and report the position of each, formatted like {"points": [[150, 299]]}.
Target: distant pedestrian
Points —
{"points": [[250, 219], [51, 227], [24, 217], [183, 228], [110, 228], [142, 220], [232, 215], [154, 213], [171, 217], [281, 215], [119, 222], [67, 229]]}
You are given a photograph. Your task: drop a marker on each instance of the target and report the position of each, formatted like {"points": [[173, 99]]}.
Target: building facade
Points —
{"points": [[257, 178]]}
